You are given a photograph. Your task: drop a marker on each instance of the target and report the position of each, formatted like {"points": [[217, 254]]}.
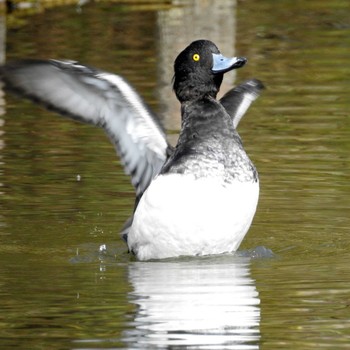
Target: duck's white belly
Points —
{"points": [[181, 215]]}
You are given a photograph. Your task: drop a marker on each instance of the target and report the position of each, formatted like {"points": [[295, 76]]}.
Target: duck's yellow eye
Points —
{"points": [[196, 57]]}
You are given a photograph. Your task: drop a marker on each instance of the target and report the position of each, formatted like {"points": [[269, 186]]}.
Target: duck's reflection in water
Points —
{"points": [[207, 303]]}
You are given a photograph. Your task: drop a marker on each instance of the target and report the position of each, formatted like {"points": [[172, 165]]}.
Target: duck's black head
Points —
{"points": [[199, 70]]}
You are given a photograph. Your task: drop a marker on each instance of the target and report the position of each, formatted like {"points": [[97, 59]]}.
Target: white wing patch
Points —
{"points": [[248, 98], [145, 127]]}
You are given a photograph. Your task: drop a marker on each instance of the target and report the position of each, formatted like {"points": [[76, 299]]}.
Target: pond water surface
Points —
{"points": [[66, 279]]}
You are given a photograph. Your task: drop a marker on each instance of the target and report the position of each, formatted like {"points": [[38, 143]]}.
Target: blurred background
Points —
{"points": [[66, 279]]}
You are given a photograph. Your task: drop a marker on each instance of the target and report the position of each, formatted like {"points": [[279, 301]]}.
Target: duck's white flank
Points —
{"points": [[181, 215]]}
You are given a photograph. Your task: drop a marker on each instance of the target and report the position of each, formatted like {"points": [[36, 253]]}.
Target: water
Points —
{"points": [[64, 194]]}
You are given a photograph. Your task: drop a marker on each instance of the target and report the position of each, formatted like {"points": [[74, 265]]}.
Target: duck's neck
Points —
{"points": [[193, 87], [204, 111]]}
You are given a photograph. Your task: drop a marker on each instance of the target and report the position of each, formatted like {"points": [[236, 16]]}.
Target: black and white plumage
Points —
{"points": [[168, 219], [99, 98], [237, 100]]}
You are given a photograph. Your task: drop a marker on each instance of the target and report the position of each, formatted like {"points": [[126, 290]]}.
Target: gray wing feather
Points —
{"points": [[237, 100], [100, 98]]}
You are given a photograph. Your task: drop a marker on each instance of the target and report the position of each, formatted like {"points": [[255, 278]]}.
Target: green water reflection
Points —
{"points": [[57, 291]]}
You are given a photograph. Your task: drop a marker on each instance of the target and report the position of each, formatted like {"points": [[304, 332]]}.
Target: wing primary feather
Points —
{"points": [[237, 100]]}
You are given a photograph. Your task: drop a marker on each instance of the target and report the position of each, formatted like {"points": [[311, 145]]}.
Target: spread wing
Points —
{"points": [[100, 98], [237, 100]]}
